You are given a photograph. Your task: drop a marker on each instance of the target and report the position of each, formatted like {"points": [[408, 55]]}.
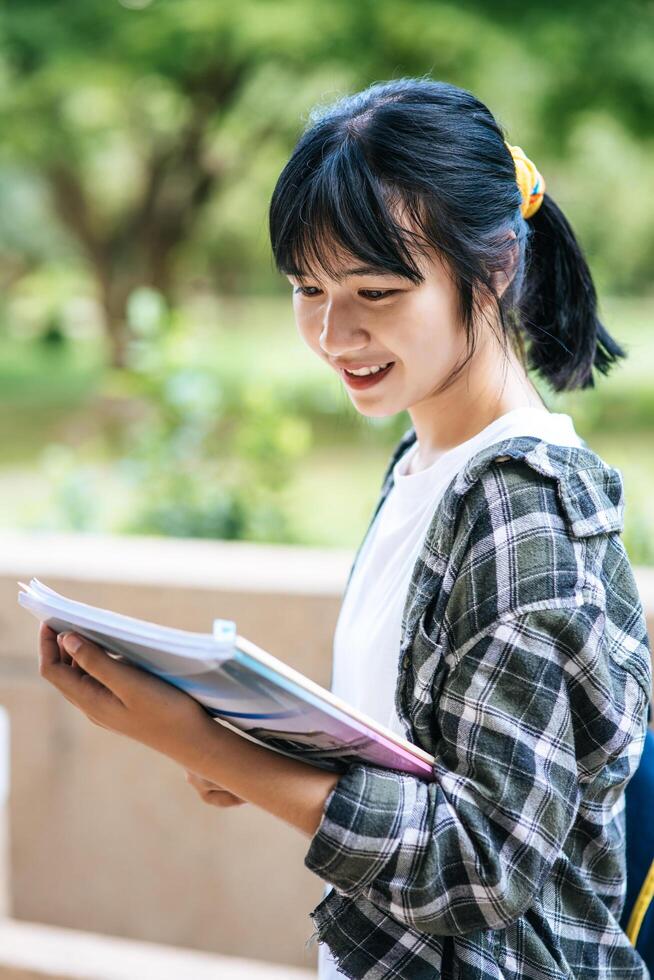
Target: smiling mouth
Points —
{"points": [[376, 367], [358, 381]]}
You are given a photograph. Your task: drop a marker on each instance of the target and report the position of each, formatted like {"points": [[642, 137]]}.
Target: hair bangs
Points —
{"points": [[342, 212]]}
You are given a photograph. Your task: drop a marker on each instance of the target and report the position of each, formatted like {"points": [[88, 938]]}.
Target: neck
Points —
{"points": [[489, 386]]}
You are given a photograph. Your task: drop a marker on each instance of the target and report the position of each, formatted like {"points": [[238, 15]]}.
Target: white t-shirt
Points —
{"points": [[368, 631]]}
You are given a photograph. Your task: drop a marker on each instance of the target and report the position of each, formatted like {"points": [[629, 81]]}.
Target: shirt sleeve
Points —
{"points": [[471, 849]]}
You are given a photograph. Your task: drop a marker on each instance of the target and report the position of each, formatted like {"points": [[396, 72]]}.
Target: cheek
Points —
{"points": [[433, 333], [305, 326]]}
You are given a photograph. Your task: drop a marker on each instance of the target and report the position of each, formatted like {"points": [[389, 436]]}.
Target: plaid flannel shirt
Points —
{"points": [[525, 670]]}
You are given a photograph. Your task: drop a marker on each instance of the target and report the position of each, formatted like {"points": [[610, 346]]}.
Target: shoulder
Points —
{"points": [[526, 484], [530, 524], [525, 475]]}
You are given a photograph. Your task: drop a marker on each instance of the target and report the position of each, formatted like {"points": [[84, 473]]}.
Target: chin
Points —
{"points": [[378, 413]]}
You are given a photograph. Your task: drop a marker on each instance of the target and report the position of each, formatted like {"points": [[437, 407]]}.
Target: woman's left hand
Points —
{"points": [[124, 698]]}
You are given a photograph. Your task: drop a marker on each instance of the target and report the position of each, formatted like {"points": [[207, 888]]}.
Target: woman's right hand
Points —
{"points": [[212, 793]]}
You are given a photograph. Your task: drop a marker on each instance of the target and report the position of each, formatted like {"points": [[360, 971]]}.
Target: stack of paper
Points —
{"points": [[239, 684]]}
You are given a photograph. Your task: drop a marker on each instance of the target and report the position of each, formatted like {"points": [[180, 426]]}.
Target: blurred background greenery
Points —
{"points": [[151, 378]]}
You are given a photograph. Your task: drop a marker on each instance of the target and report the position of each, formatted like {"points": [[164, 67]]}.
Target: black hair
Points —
{"points": [[436, 153]]}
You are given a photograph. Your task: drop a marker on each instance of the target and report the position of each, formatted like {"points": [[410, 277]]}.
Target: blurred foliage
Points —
{"points": [[141, 143], [226, 426], [184, 465], [142, 138]]}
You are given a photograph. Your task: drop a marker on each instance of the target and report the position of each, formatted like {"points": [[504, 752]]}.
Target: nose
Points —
{"points": [[340, 333]]}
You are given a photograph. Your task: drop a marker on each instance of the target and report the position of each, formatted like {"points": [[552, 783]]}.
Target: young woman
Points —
{"points": [[491, 614]]}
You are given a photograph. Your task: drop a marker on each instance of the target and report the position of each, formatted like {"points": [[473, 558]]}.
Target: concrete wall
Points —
{"points": [[107, 836]]}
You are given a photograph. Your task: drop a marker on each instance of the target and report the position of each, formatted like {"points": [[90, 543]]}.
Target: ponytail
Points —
{"points": [[558, 306]]}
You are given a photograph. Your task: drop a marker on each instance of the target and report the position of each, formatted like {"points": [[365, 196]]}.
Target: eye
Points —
{"points": [[378, 293]]}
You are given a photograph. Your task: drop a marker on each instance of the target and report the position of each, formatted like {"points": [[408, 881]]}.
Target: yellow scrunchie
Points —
{"points": [[530, 181]]}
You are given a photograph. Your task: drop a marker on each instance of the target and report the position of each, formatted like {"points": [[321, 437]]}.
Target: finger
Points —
{"points": [[65, 656], [198, 781], [97, 663], [50, 649], [221, 797], [77, 686], [218, 796], [203, 785], [81, 690], [211, 792], [49, 652]]}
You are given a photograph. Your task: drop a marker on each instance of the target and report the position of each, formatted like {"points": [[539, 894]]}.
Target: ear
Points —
{"points": [[503, 276]]}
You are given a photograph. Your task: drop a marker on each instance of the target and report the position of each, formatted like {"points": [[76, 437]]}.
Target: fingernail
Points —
{"points": [[71, 642]]}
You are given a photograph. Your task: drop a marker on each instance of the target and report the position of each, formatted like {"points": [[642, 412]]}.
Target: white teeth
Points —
{"points": [[369, 370]]}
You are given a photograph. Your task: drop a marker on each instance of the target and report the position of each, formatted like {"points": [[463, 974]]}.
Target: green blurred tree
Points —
{"points": [[158, 127], [119, 109]]}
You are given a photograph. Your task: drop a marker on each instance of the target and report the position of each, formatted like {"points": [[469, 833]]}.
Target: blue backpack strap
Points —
{"points": [[637, 918]]}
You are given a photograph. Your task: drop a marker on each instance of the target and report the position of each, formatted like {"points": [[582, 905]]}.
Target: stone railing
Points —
{"points": [[31, 951]]}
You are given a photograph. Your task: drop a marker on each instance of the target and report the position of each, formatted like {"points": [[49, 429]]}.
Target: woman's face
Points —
{"points": [[370, 318]]}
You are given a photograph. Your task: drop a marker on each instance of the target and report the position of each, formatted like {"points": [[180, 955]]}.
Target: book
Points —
{"points": [[239, 684]]}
